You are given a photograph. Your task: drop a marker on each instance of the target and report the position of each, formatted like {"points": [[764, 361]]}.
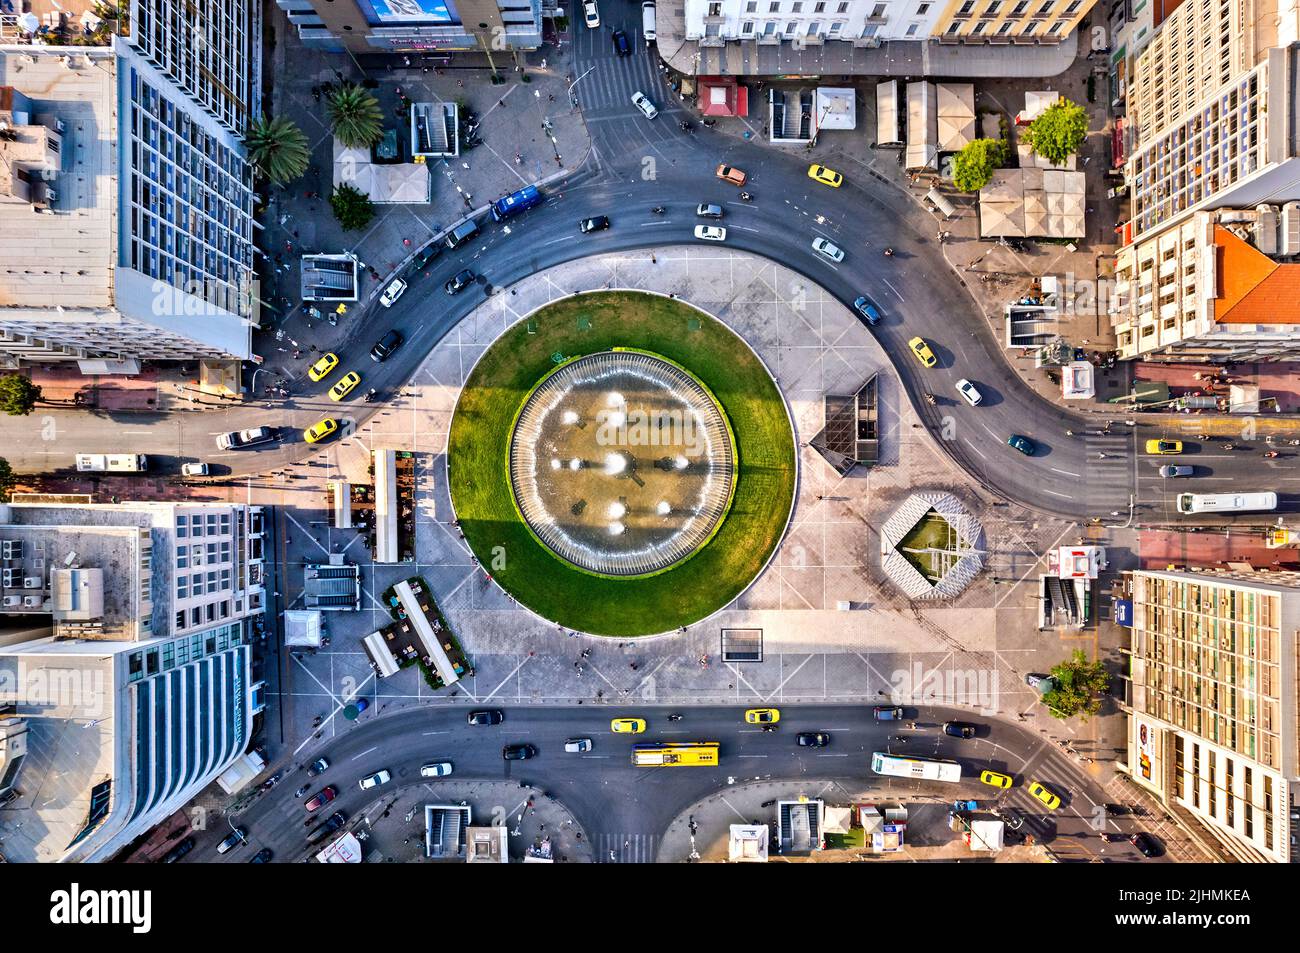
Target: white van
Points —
{"points": [[648, 21]]}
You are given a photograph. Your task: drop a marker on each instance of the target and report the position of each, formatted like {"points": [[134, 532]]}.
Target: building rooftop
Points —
{"points": [[62, 256], [1253, 288]]}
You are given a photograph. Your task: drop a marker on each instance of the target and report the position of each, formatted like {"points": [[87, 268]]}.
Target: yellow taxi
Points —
{"points": [[322, 368], [627, 726], [995, 780], [731, 174], [1164, 446], [762, 716], [344, 385], [825, 176], [1038, 790], [923, 352], [320, 430]]}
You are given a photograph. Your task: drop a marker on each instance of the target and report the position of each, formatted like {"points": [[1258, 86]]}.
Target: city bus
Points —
{"points": [[514, 203], [675, 754], [919, 769], [1225, 502]]}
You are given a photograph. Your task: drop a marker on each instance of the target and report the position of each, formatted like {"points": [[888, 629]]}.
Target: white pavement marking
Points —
{"points": [[1065, 472], [893, 289], [356, 757]]}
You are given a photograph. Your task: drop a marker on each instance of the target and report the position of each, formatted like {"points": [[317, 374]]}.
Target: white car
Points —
{"points": [[577, 745], [711, 233], [194, 469], [439, 769], [374, 780], [648, 109], [968, 391], [591, 13], [823, 247], [392, 292]]}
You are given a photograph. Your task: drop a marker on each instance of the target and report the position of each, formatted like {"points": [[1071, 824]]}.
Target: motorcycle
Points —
{"points": [[769, 727], [658, 210], [685, 125], [302, 790], [370, 395], [746, 197], [930, 399], [674, 717], [709, 122]]}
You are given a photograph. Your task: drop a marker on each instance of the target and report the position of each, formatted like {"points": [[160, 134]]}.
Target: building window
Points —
{"points": [[1004, 28], [796, 7], [979, 28], [225, 579], [814, 28], [923, 9], [225, 522], [715, 9], [878, 11], [993, 9], [774, 8], [966, 8], [212, 524], [842, 8], [751, 6], [835, 29], [747, 27], [182, 557], [791, 28], [819, 7], [1056, 27], [869, 30], [1073, 7], [1030, 27], [1046, 8], [912, 28], [953, 28], [210, 611], [180, 619], [196, 616], [769, 28], [182, 526], [1020, 8], [182, 587]]}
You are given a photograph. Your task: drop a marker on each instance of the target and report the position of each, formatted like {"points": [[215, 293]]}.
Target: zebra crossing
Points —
{"points": [[1108, 485], [625, 848]]}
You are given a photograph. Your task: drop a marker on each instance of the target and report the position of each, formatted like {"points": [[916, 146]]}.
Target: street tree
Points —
{"points": [[974, 165], [355, 116], [18, 395], [1079, 687], [1059, 132], [352, 207], [7, 479], [278, 149]]}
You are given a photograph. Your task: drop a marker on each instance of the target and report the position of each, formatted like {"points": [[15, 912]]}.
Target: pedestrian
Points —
{"points": [[501, 103], [550, 97]]}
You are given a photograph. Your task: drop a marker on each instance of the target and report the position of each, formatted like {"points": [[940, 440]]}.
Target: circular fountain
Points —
{"points": [[650, 463]]}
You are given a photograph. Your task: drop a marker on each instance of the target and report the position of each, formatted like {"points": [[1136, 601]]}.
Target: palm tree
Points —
{"points": [[357, 118], [278, 148]]}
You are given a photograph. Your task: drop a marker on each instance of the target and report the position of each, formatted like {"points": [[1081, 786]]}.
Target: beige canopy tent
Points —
{"points": [[955, 103], [922, 126]]}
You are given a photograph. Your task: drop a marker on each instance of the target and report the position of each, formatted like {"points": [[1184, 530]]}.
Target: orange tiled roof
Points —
{"points": [[1253, 288]]}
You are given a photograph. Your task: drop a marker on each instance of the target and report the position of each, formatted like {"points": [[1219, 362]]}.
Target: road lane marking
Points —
{"points": [[1064, 496], [893, 289], [1065, 472], [364, 753]]}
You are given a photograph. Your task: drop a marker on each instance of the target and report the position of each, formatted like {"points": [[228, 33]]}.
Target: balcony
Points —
{"points": [[865, 42], [712, 41]]}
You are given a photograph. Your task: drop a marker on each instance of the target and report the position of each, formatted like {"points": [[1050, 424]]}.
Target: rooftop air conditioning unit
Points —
{"points": [[12, 549], [12, 602], [9, 577], [32, 582], [31, 602]]}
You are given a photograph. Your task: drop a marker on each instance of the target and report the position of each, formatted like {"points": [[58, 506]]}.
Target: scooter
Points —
{"points": [[746, 197], [370, 395], [674, 717], [769, 727], [658, 210], [709, 122]]}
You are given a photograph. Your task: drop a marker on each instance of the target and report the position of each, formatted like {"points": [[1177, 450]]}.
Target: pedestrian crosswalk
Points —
{"points": [[626, 848]]}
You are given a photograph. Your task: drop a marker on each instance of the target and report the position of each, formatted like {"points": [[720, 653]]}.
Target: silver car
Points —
{"points": [[641, 102], [1168, 470], [439, 769], [828, 249], [577, 745]]}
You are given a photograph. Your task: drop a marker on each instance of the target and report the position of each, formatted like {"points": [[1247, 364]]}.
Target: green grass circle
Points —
{"points": [[478, 463]]}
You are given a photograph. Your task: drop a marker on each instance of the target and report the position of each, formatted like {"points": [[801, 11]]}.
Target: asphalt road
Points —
{"points": [[616, 803], [635, 164]]}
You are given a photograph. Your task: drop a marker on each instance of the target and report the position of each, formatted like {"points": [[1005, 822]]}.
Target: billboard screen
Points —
{"points": [[408, 11]]}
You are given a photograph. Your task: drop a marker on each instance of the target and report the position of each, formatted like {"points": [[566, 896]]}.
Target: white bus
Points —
{"points": [[918, 769], [112, 463], [1225, 502]]}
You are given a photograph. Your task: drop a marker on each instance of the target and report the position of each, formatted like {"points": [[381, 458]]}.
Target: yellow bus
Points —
{"points": [[675, 754]]}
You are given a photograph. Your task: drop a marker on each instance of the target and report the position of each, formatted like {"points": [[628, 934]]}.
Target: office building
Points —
{"points": [[1212, 700], [429, 27], [126, 197], [125, 666]]}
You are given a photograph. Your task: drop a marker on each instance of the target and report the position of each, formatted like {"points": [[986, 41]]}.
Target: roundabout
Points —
{"points": [[622, 463]]}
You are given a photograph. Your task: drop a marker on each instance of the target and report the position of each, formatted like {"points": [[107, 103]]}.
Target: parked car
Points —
{"points": [[392, 292], [323, 367], [577, 745], [321, 798], [425, 255], [317, 766], [959, 729], [520, 752], [439, 769], [1168, 470], [711, 233], [194, 469], [236, 838], [179, 851], [374, 780], [969, 392], [643, 103], [1022, 443], [243, 439], [491, 716], [263, 856], [867, 310], [812, 739], [887, 713], [622, 45], [335, 821], [597, 223], [385, 346], [827, 249], [459, 281]]}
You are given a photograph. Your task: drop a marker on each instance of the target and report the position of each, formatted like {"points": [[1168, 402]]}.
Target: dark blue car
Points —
{"points": [[867, 310]]}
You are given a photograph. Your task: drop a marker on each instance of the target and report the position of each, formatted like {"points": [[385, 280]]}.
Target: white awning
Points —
{"points": [[428, 638], [922, 126], [386, 504], [380, 654], [887, 128]]}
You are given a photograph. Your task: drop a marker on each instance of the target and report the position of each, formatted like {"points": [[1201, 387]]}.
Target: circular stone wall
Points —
{"points": [[622, 463], [654, 576]]}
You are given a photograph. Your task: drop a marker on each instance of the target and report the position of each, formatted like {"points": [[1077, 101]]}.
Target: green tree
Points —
{"points": [[278, 148], [352, 207], [1079, 687], [1059, 132], [7, 479], [18, 395], [355, 116], [974, 165]]}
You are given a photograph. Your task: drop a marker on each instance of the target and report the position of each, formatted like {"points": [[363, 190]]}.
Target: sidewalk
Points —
{"points": [[298, 218]]}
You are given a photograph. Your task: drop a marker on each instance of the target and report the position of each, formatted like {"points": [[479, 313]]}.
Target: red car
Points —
{"points": [[321, 798]]}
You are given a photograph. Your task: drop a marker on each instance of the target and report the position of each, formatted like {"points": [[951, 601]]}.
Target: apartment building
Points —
{"points": [[429, 27], [125, 666], [1222, 285], [870, 22], [126, 198], [1212, 700]]}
